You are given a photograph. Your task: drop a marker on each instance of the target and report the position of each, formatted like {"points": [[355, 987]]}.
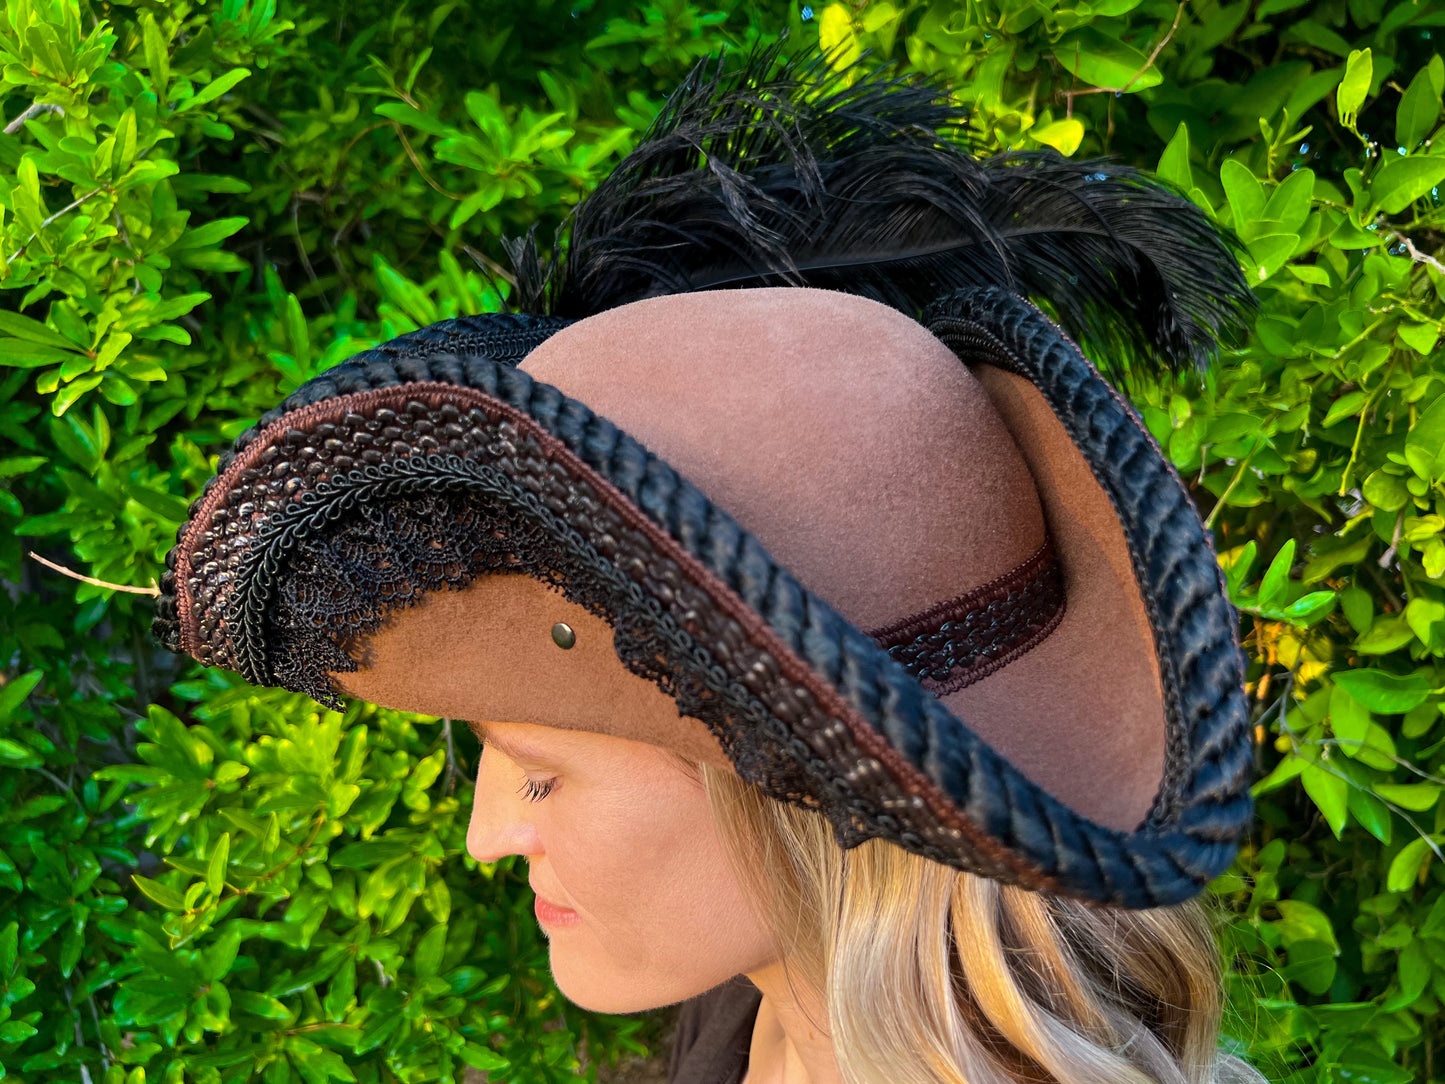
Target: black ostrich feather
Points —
{"points": [[788, 171]]}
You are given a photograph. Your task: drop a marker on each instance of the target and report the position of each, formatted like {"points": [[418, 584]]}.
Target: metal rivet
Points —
{"points": [[562, 635]]}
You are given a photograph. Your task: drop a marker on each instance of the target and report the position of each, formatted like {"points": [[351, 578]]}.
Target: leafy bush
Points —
{"points": [[204, 204]]}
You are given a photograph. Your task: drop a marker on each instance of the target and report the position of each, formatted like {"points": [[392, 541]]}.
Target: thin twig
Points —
{"points": [[63, 211], [100, 1037], [30, 114], [296, 231], [1297, 742], [1238, 476], [1357, 743], [1070, 95], [417, 162], [1417, 255], [453, 772], [1389, 554], [151, 590]]}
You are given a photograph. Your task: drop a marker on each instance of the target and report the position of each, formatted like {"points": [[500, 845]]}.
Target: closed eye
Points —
{"points": [[537, 791]]}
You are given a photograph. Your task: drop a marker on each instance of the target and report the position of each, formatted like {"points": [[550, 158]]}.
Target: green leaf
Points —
{"points": [[22, 327], [216, 869], [1418, 797], [158, 58], [1308, 609], [15, 755], [428, 954], [1104, 61], [20, 354], [1315, 276], [1345, 406], [409, 115], [1386, 634], [1312, 964], [168, 898], [1174, 162], [9, 948], [1271, 251], [1372, 814], [1406, 866], [1245, 195], [213, 90], [14, 692], [16, 1031], [1355, 85], [484, 1060], [125, 144], [211, 233], [1418, 337], [1401, 181], [256, 1004], [1289, 203], [484, 199], [1425, 443], [1421, 614], [229, 772], [1063, 135], [403, 293], [1329, 792], [1417, 111], [1289, 767], [340, 991], [1305, 922], [1349, 719], [1276, 578], [166, 505], [1384, 692], [1385, 491]]}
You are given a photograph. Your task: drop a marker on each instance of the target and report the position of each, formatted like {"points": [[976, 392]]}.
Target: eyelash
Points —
{"points": [[537, 791]]}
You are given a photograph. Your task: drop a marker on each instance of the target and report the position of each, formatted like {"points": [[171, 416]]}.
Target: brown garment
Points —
{"points": [[714, 1033]]}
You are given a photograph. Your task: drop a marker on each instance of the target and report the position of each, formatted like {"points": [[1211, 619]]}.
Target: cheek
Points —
{"points": [[650, 877]]}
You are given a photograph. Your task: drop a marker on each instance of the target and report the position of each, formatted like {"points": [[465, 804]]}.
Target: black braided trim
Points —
{"points": [[504, 338], [1209, 748]]}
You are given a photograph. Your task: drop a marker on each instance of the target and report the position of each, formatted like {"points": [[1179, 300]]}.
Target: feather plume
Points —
{"points": [[787, 170]]}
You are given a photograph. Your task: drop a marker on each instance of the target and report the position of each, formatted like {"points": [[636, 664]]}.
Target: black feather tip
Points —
{"points": [[787, 170]]}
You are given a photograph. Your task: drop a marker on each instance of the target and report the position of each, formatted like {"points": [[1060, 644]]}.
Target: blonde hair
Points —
{"points": [[986, 983]]}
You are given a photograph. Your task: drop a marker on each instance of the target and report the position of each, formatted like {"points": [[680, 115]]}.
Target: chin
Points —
{"points": [[616, 993]]}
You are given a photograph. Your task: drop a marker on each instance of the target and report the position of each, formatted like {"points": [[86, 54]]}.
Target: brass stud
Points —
{"points": [[562, 635]]}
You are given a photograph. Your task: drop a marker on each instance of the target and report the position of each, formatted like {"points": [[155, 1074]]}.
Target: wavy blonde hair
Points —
{"points": [[986, 983]]}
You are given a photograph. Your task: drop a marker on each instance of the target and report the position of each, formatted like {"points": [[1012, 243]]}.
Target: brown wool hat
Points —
{"points": [[818, 496]]}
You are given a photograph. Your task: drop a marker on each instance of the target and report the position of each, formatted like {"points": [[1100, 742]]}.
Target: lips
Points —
{"points": [[555, 906], [554, 918]]}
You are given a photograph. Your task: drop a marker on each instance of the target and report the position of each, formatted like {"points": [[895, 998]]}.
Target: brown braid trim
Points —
{"points": [[956, 642]]}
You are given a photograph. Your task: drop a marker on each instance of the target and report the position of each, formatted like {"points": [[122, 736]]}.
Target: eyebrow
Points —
{"points": [[513, 750]]}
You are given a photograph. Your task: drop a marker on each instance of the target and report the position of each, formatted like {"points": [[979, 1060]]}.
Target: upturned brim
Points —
{"points": [[796, 698]]}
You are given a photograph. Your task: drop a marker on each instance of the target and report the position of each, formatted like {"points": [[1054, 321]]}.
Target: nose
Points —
{"points": [[499, 824]]}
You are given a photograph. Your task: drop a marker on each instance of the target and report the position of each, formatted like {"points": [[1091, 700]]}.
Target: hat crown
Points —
{"points": [[841, 433]]}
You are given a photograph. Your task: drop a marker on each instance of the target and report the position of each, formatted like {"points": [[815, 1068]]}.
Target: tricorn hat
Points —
{"points": [[778, 466]]}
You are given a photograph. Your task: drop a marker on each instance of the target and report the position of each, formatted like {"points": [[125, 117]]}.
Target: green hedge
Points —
{"points": [[204, 204]]}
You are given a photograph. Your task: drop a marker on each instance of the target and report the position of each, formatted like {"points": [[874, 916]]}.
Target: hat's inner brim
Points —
{"points": [[1082, 712]]}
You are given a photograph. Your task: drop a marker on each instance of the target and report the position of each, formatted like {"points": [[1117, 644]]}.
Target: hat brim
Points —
{"points": [[803, 702]]}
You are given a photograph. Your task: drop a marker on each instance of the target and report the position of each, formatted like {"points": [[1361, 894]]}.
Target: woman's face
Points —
{"points": [[615, 831]]}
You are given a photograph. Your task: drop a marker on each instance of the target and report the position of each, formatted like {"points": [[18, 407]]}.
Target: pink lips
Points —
{"points": [[549, 914]]}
